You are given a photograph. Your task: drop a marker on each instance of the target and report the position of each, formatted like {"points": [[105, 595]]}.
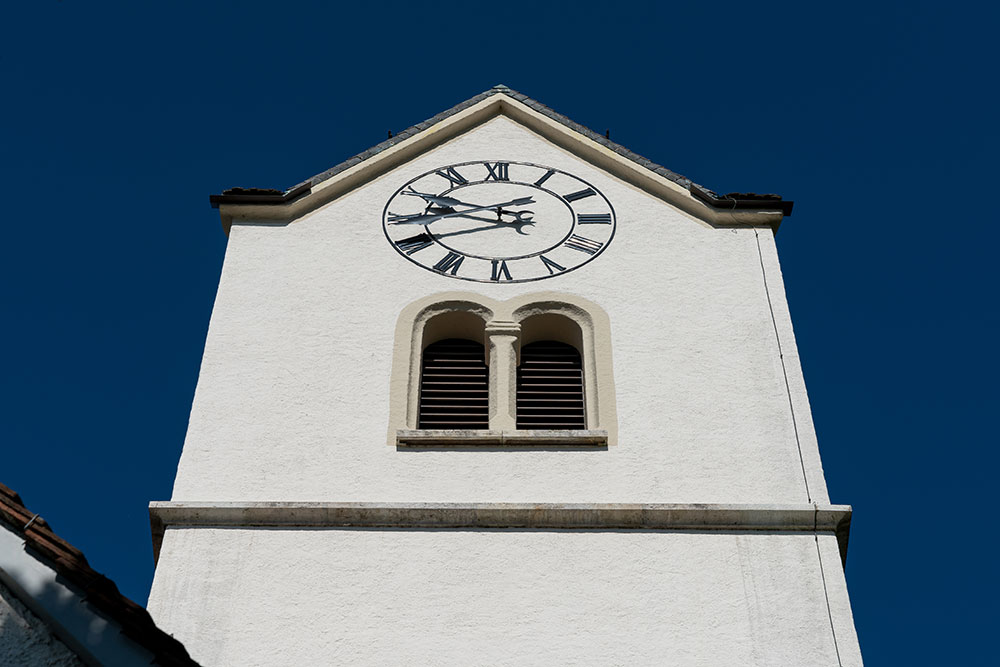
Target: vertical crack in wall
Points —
{"points": [[798, 445], [822, 574], [784, 371]]}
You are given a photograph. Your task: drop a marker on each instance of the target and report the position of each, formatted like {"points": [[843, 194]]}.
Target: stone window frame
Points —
{"points": [[502, 326]]}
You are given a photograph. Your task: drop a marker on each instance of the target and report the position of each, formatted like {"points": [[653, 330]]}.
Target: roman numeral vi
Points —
{"points": [[500, 269]]}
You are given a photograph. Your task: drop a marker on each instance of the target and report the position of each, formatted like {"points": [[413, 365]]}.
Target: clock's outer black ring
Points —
{"points": [[614, 223]]}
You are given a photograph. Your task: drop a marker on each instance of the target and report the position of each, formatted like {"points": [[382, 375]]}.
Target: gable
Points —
{"points": [[272, 205], [573, 214]]}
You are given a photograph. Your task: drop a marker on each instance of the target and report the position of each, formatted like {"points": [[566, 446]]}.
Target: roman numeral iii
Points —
{"points": [[594, 218], [582, 244]]}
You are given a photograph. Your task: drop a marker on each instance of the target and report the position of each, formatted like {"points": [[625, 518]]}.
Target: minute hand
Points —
{"points": [[427, 219]]}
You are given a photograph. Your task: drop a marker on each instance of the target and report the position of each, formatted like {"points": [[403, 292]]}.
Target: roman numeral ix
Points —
{"points": [[414, 243]]}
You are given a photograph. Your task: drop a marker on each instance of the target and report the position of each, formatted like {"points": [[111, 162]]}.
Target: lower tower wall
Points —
{"points": [[273, 595]]}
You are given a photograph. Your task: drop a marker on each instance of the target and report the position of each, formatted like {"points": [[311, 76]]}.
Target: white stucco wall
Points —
{"points": [[451, 597], [292, 404], [25, 640], [292, 401]]}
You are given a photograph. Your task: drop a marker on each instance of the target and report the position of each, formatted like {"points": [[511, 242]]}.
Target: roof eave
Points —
{"points": [[265, 197], [282, 206], [46, 557]]}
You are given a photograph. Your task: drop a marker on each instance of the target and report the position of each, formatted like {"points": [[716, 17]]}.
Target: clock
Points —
{"points": [[498, 221]]}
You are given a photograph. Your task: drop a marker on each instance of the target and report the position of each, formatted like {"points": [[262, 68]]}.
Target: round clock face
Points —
{"points": [[497, 222]]}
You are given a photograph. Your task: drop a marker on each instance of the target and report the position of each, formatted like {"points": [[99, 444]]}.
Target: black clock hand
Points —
{"points": [[519, 216], [471, 230], [437, 200], [522, 218], [448, 203], [396, 219], [441, 201], [493, 225], [424, 219]]}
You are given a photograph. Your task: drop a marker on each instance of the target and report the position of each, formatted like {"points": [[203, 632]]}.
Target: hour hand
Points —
{"points": [[417, 218], [437, 200], [429, 217], [450, 202], [520, 221]]}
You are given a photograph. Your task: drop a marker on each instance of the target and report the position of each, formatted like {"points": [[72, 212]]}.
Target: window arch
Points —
{"points": [[512, 343]]}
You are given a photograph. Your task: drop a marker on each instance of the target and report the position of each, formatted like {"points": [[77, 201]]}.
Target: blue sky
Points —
{"points": [[878, 119]]}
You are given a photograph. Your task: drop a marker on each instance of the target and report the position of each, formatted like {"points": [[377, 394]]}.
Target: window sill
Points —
{"points": [[590, 438]]}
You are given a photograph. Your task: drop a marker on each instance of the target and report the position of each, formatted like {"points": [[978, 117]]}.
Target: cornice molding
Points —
{"points": [[774, 518]]}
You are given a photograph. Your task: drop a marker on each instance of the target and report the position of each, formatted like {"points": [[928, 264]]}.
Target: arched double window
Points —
{"points": [[521, 372]]}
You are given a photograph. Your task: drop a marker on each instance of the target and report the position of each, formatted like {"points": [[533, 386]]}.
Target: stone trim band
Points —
{"points": [[574, 516]]}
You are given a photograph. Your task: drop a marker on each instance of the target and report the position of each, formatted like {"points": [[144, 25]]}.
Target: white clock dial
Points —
{"points": [[499, 221]]}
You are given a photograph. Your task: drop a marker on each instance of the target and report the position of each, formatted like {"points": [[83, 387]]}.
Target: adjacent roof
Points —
{"points": [[99, 591], [731, 201]]}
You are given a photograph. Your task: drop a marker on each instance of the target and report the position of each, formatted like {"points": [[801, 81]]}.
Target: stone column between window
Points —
{"points": [[504, 342]]}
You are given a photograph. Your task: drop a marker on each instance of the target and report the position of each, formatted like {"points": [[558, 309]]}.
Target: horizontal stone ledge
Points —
{"points": [[579, 516], [488, 438]]}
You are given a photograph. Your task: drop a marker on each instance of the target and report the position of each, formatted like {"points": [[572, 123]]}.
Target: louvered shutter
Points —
{"points": [[454, 389], [550, 387]]}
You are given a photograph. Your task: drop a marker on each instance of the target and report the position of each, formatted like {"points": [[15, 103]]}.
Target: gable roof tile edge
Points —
{"points": [[731, 201], [101, 592]]}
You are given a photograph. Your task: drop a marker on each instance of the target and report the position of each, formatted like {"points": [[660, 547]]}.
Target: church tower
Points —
{"points": [[499, 391]]}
